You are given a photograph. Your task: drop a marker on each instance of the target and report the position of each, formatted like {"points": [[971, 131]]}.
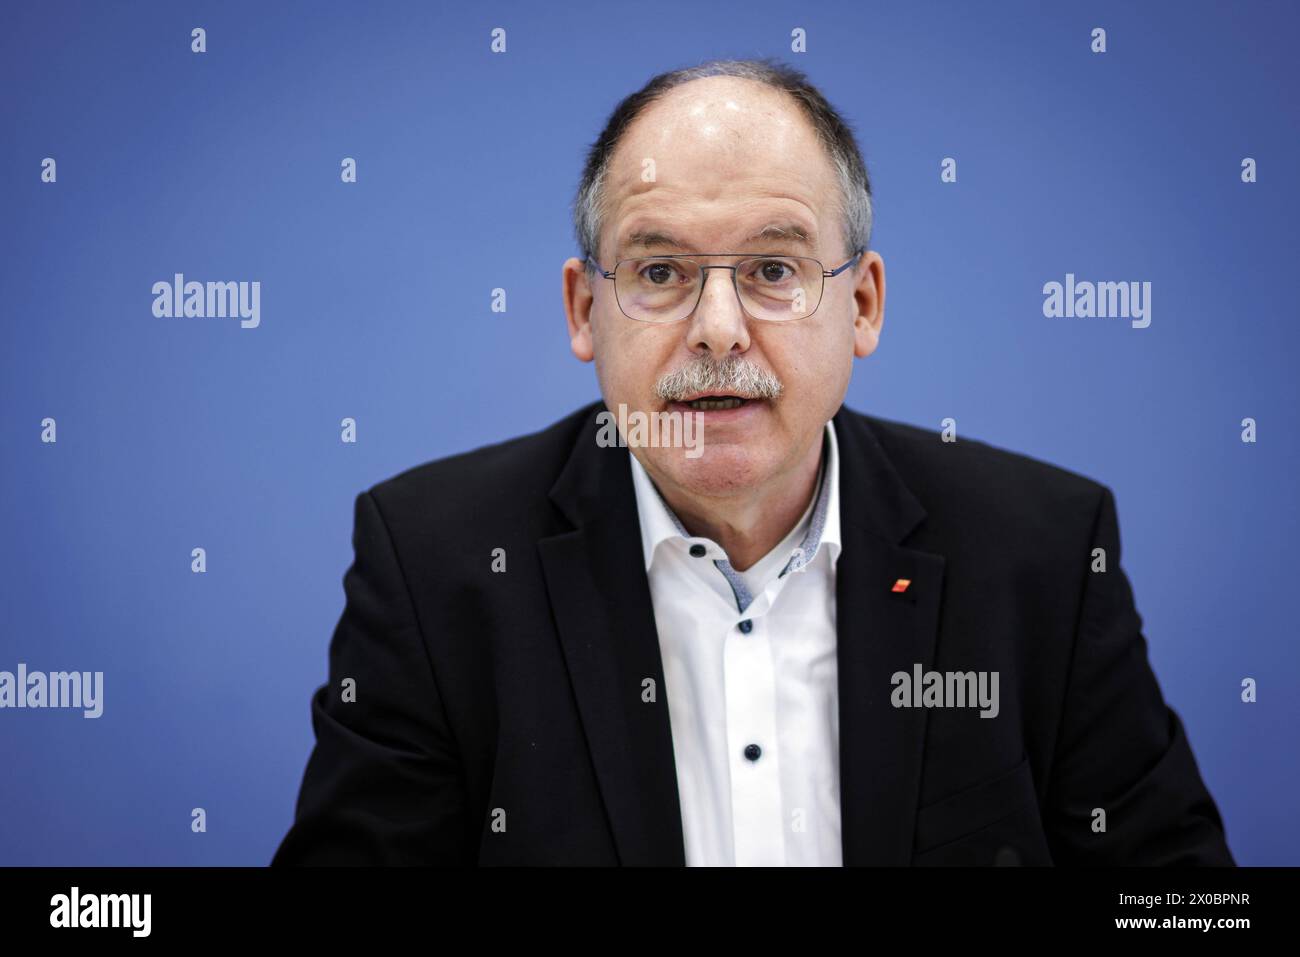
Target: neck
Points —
{"points": [[751, 525]]}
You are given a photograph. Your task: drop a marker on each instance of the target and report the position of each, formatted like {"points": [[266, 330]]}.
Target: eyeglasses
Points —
{"points": [[770, 288]]}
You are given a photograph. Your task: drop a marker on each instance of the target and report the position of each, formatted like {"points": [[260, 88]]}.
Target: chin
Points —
{"points": [[719, 469]]}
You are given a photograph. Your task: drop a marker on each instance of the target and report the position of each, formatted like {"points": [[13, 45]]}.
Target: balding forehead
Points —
{"points": [[665, 149], [731, 159], [722, 105]]}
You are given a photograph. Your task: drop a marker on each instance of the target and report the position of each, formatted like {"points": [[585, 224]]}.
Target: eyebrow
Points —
{"points": [[652, 238]]}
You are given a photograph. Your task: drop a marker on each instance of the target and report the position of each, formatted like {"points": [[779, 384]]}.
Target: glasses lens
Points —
{"points": [[657, 290], [775, 288]]}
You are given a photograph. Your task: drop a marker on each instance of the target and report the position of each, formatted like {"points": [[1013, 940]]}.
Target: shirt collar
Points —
{"points": [[660, 524]]}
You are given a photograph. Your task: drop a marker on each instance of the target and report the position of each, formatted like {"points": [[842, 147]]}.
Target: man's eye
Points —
{"points": [[773, 271], [658, 273]]}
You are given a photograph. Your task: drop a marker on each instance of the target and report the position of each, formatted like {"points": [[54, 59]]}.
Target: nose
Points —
{"points": [[718, 324]]}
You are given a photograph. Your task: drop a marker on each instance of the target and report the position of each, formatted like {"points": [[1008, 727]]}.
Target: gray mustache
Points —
{"points": [[732, 375]]}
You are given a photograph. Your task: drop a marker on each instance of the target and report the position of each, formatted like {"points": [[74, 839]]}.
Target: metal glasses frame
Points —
{"points": [[692, 257]]}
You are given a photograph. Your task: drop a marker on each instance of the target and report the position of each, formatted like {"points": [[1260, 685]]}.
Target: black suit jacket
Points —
{"points": [[486, 698]]}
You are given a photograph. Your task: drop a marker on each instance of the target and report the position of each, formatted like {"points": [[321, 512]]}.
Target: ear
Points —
{"points": [[869, 296], [577, 308]]}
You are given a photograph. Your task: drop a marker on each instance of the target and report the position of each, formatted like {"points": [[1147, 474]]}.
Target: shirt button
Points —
{"points": [[698, 551], [746, 626], [752, 751]]}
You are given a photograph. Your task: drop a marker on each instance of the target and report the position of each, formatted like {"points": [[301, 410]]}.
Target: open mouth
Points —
{"points": [[716, 403]]}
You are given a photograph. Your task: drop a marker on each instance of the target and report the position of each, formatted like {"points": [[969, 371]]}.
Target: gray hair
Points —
{"points": [[833, 132]]}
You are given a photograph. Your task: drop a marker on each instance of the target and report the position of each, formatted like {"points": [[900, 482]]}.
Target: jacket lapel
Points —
{"points": [[595, 575], [879, 632]]}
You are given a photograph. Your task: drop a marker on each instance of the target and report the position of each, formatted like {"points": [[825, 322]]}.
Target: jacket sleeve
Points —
{"points": [[1121, 749], [384, 784]]}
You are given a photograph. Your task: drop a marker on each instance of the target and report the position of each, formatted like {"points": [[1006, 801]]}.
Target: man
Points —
{"points": [[800, 636]]}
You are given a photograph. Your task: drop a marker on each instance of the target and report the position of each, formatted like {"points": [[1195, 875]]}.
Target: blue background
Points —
{"points": [[176, 433]]}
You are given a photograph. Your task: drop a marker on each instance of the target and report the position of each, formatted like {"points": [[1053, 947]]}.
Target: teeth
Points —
{"points": [[715, 405]]}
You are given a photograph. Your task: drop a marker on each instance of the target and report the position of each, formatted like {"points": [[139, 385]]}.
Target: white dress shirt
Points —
{"points": [[751, 682]]}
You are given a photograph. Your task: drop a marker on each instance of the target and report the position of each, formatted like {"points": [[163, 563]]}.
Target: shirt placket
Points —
{"points": [[753, 752]]}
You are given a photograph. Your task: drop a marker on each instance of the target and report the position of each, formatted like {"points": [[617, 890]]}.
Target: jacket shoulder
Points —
{"points": [[502, 480], [973, 478]]}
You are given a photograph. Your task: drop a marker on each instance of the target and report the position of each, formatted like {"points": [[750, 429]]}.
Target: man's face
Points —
{"points": [[730, 158]]}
